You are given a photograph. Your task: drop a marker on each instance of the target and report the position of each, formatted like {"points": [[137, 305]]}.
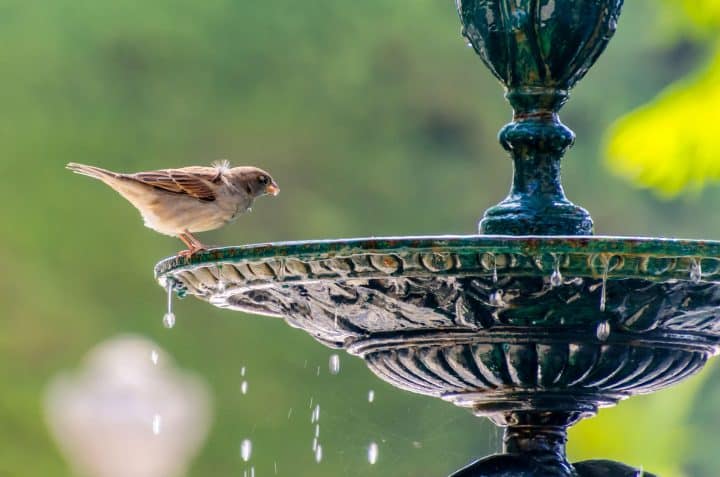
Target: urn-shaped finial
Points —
{"points": [[538, 49]]}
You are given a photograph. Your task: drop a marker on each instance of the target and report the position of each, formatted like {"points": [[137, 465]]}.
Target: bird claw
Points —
{"points": [[190, 252]]}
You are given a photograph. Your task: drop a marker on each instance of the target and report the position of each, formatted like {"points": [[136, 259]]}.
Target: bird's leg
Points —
{"points": [[198, 245], [193, 244]]}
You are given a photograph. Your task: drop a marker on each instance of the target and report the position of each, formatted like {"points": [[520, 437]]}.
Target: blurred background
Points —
{"points": [[375, 119]]}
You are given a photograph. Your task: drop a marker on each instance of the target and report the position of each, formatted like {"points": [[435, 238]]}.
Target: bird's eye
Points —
{"points": [[263, 180]]}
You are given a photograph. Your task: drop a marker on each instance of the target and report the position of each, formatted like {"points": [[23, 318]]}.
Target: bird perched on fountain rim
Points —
{"points": [[180, 202]]}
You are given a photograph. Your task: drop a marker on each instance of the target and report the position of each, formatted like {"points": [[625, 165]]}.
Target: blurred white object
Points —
{"points": [[128, 412]]}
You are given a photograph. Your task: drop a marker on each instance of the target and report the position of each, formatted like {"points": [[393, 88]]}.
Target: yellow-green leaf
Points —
{"points": [[673, 144]]}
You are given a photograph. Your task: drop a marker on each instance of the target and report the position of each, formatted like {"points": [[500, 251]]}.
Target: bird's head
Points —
{"points": [[254, 181]]}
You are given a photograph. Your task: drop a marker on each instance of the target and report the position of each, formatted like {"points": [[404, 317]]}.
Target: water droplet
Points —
{"points": [[334, 364], [315, 444], [154, 357], [695, 271], [603, 330], [371, 395], [317, 430], [275, 467], [252, 471], [244, 387], [496, 299], [417, 444], [289, 413], [603, 290], [372, 453], [318, 453], [242, 371], [246, 449], [156, 424], [318, 370], [494, 275], [556, 278], [469, 44], [315, 414], [169, 320]]}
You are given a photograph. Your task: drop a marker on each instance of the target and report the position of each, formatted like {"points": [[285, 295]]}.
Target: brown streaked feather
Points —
{"points": [[193, 181]]}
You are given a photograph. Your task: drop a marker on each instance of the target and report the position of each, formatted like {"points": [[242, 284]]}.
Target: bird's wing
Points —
{"points": [[196, 182]]}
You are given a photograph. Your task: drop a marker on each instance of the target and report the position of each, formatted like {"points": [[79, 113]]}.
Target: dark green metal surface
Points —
{"points": [[538, 49], [533, 332]]}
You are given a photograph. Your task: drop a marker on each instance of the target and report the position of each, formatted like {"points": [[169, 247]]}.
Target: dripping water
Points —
{"points": [[556, 278], [695, 271], [603, 330], [603, 290], [371, 395], [315, 417], [154, 357], [246, 449], [156, 424], [496, 299], [169, 318], [494, 272], [372, 453], [334, 364]]}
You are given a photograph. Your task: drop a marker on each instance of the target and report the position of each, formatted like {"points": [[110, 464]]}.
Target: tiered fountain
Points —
{"points": [[534, 323]]}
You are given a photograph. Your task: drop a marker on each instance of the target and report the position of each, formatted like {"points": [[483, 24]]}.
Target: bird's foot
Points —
{"points": [[189, 253]]}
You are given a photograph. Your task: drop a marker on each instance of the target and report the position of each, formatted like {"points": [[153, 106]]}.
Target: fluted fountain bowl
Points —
{"points": [[495, 323]]}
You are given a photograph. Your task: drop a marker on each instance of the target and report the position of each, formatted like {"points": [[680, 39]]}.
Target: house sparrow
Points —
{"points": [[179, 202]]}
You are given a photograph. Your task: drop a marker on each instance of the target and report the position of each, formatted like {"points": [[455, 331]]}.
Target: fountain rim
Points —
{"points": [[497, 244]]}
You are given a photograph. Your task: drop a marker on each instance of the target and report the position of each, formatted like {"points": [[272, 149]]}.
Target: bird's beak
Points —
{"points": [[272, 189]]}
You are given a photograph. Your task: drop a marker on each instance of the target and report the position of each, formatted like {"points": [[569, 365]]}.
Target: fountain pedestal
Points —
{"points": [[535, 327]]}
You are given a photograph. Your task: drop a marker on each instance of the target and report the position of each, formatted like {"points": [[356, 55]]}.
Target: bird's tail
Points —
{"points": [[91, 171]]}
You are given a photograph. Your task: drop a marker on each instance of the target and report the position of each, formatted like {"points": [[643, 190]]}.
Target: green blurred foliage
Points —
{"points": [[374, 118], [671, 144]]}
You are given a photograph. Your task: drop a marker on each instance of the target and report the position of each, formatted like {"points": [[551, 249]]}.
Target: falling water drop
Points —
{"points": [[318, 453], [315, 444], [169, 318], [154, 357], [275, 467], [494, 275], [603, 290], [496, 298], [242, 371], [317, 430], [246, 449], [156, 424], [334, 364], [221, 285], [556, 278], [252, 471], [372, 453], [371, 395], [603, 330], [315, 414], [244, 387], [289, 413], [695, 271]]}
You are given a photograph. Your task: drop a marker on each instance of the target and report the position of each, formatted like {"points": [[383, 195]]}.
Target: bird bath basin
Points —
{"points": [[535, 323]]}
